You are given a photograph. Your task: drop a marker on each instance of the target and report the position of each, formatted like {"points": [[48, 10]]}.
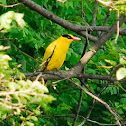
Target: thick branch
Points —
{"points": [[56, 19], [99, 100], [75, 71], [101, 41], [50, 75], [66, 24]]}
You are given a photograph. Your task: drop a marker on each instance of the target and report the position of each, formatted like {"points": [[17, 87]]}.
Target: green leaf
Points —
{"points": [[22, 118], [123, 101], [122, 61], [37, 112], [123, 50], [27, 123], [69, 54], [3, 2], [74, 58], [121, 73], [110, 62], [123, 95], [78, 47], [34, 118], [112, 89]]}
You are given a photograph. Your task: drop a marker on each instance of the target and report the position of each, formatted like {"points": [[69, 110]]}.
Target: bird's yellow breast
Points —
{"points": [[55, 53], [58, 56]]}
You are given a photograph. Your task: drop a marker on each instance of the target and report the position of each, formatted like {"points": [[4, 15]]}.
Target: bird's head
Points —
{"points": [[70, 38]]}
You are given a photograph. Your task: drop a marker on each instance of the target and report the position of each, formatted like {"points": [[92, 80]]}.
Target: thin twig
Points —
{"points": [[89, 120], [92, 107], [99, 100], [24, 52], [100, 83], [82, 13], [117, 32], [114, 70], [84, 21], [105, 21], [107, 17], [94, 102], [78, 107], [10, 6], [94, 14]]}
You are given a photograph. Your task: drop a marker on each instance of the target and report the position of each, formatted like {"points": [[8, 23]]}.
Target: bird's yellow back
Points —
{"points": [[55, 53]]}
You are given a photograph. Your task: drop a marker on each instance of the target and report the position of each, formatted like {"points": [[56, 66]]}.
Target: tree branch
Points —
{"points": [[107, 17], [77, 69], [89, 120], [10, 6], [56, 19], [66, 24], [114, 70], [92, 107], [78, 107], [94, 14], [99, 100], [51, 75], [82, 13], [101, 41]]}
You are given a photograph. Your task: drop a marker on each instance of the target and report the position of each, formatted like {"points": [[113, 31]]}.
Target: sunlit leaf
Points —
{"points": [[110, 62], [32, 118], [123, 60], [108, 67], [7, 18], [121, 73]]}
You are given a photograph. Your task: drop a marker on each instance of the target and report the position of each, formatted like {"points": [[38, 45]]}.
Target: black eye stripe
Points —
{"points": [[67, 36]]}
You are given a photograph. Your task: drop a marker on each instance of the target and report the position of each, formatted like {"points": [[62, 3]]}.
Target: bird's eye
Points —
{"points": [[67, 36]]}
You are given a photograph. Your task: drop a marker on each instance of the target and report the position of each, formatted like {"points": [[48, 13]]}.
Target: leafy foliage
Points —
{"points": [[23, 51], [16, 95]]}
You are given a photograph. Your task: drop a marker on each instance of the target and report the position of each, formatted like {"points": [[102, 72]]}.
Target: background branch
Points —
{"points": [[66, 24], [10, 6], [51, 75], [99, 100], [94, 14], [77, 69], [89, 120], [31, 42], [101, 41], [78, 107]]}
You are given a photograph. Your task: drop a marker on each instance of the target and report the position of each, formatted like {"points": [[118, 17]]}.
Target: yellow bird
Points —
{"points": [[55, 53]]}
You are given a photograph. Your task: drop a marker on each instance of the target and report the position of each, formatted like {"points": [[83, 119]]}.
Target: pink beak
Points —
{"points": [[76, 38]]}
